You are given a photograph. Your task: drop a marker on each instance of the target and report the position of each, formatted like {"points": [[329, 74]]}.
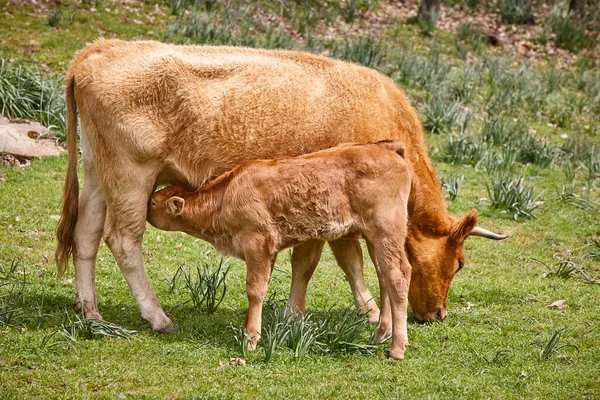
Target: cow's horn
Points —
{"points": [[477, 231]]}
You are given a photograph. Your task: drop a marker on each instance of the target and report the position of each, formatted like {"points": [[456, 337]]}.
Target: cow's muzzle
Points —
{"points": [[440, 314]]}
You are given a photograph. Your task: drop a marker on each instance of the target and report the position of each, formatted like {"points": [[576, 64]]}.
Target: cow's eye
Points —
{"points": [[460, 265]]}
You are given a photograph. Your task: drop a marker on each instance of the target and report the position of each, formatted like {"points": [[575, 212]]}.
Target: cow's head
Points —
{"points": [[165, 208], [435, 258]]}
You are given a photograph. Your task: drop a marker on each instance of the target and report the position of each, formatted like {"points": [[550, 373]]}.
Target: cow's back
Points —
{"points": [[196, 111]]}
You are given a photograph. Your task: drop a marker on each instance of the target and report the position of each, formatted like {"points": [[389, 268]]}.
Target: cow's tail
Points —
{"points": [[70, 203]]}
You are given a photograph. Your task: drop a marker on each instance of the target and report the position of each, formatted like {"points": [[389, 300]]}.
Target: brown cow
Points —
{"points": [[262, 207], [153, 113]]}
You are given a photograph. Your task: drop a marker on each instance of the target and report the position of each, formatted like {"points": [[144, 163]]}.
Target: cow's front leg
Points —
{"points": [[124, 230], [258, 271], [348, 255]]}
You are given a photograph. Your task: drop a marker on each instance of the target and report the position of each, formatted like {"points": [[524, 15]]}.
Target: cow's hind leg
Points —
{"points": [[348, 255], [305, 258], [88, 231], [124, 230]]}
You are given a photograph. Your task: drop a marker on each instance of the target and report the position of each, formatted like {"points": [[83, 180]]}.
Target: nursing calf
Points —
{"points": [[262, 207]]}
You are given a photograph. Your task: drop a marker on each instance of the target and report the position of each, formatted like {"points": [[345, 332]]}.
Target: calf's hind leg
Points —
{"points": [[394, 271], [124, 230]]}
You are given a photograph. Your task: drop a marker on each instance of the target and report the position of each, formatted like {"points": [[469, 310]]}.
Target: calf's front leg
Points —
{"points": [[258, 271]]}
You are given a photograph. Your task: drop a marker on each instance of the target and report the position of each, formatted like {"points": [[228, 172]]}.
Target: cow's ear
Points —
{"points": [[174, 206], [463, 227]]}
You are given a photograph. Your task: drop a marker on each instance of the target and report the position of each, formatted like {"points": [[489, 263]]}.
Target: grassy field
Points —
{"points": [[515, 139]]}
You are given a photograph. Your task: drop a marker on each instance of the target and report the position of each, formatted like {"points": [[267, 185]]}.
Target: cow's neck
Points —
{"points": [[426, 205]]}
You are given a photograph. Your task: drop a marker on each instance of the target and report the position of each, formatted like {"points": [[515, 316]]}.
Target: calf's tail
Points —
{"points": [[70, 203]]}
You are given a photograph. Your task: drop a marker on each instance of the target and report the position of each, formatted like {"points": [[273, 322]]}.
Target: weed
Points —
{"points": [[516, 11], [452, 184], [275, 330], [9, 270], [462, 150], [80, 328], [24, 93], [596, 252], [9, 299], [208, 289], [513, 195], [172, 283], [552, 348], [242, 340], [473, 35], [566, 194], [343, 332], [365, 50], [302, 334], [351, 6], [55, 17], [427, 22], [441, 115], [568, 34]]}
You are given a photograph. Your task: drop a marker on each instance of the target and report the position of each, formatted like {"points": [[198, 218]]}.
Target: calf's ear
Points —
{"points": [[174, 206], [463, 227]]}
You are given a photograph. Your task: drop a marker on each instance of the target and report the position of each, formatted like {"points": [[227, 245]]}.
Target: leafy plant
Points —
{"points": [[462, 150], [512, 194]]}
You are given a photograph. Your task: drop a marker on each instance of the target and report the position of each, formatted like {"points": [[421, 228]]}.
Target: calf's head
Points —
{"points": [[165, 208], [435, 258]]}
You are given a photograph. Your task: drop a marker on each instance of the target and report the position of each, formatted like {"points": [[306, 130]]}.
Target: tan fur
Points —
{"points": [[154, 113], [262, 207]]}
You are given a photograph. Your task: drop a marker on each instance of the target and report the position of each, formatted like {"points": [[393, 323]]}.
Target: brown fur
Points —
{"points": [[262, 207], [154, 113]]}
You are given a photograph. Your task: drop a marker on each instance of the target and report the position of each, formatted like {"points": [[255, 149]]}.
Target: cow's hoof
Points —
{"points": [[168, 330], [396, 355], [374, 316], [93, 315]]}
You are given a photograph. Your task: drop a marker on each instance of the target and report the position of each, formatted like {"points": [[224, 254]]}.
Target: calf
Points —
{"points": [[262, 207]]}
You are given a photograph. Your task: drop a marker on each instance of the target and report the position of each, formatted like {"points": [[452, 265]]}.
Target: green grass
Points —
{"points": [[500, 338]]}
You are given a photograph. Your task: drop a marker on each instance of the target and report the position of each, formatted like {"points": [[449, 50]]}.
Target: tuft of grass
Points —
{"points": [[512, 194], [552, 348], [208, 289], [442, 115]]}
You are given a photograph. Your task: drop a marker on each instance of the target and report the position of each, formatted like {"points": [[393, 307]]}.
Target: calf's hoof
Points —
{"points": [[253, 343]]}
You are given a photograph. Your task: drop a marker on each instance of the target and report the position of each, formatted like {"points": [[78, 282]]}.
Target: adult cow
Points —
{"points": [[153, 113]]}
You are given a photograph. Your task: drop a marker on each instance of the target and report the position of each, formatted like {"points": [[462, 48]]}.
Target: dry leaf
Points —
{"points": [[558, 304]]}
